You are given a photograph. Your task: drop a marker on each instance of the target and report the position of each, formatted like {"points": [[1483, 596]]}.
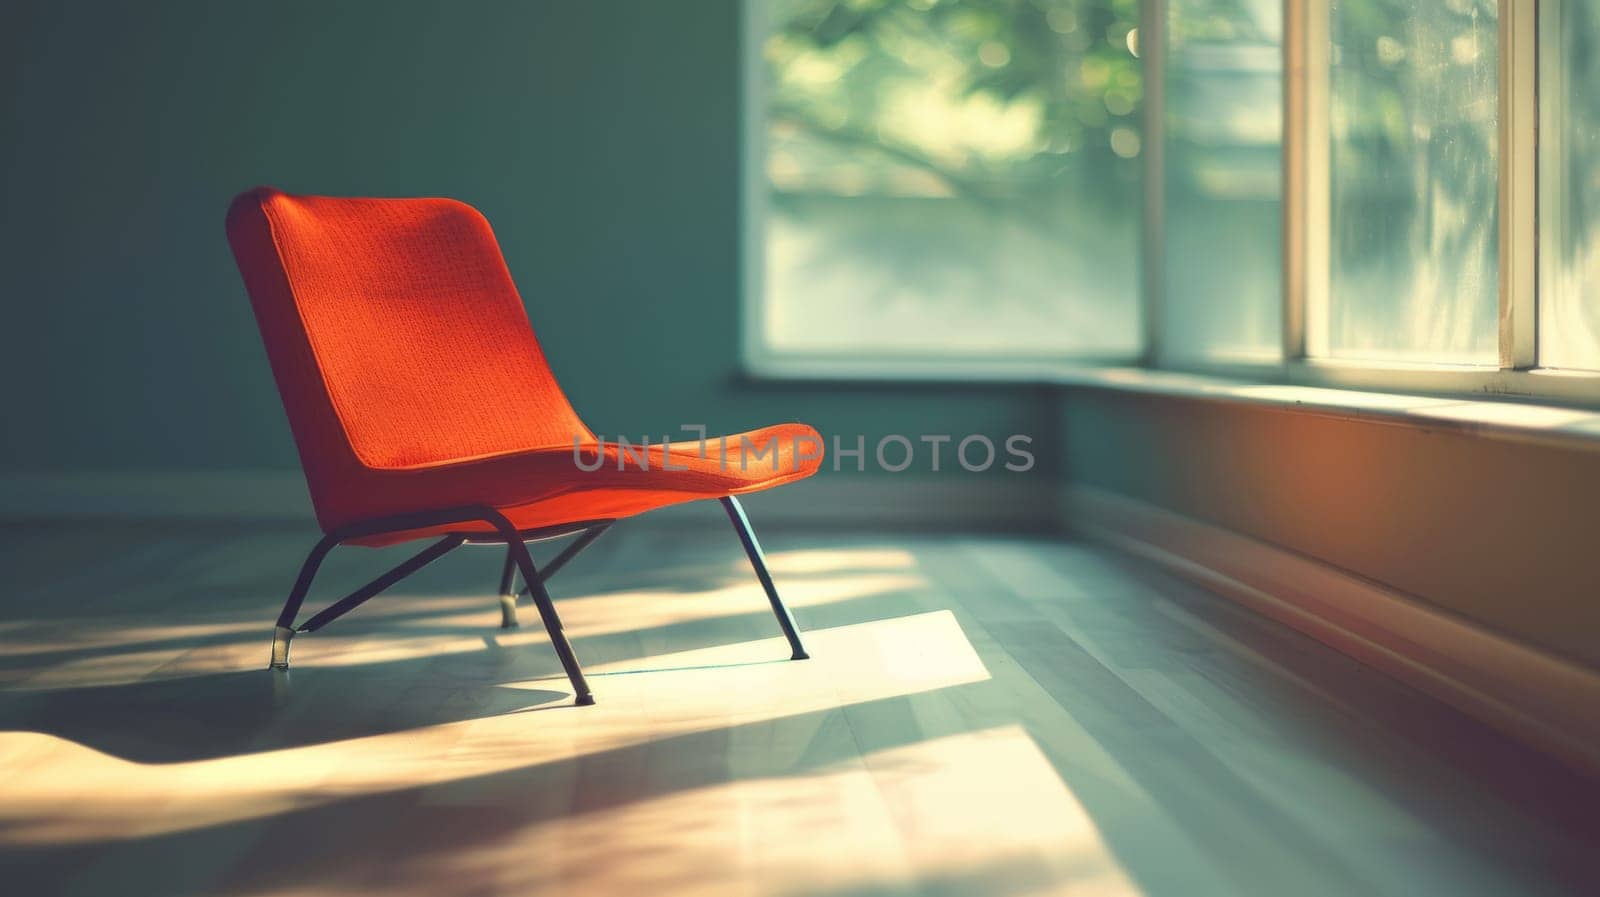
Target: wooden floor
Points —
{"points": [[983, 715]]}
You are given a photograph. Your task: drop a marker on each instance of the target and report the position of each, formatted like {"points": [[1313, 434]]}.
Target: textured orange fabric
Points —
{"points": [[413, 381]]}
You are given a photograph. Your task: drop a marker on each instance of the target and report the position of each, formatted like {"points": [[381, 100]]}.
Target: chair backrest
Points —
{"points": [[395, 333]]}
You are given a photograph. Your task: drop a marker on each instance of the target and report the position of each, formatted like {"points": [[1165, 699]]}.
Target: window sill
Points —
{"points": [[1543, 406], [914, 370], [1517, 421]]}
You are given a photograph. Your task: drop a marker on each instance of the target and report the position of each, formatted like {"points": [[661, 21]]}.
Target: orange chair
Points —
{"points": [[422, 405]]}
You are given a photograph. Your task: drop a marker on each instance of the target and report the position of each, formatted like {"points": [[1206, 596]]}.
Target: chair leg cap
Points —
{"points": [[800, 655], [281, 636], [508, 612], [583, 700]]}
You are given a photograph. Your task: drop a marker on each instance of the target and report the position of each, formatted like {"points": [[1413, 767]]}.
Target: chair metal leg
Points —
{"points": [[360, 596], [517, 556], [572, 550], [284, 631], [508, 592], [752, 549], [547, 613]]}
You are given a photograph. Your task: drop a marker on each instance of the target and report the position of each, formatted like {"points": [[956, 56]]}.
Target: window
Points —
{"points": [[1439, 173], [1569, 288], [1413, 254], [949, 179], [1383, 194], [1223, 180]]}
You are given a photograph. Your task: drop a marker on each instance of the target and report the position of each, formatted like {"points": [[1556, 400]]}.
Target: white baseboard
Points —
{"points": [[950, 501], [1545, 700]]}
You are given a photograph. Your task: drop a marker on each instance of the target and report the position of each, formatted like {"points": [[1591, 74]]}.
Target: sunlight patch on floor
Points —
{"points": [[612, 612], [980, 812], [66, 792], [418, 627], [833, 560], [55, 635]]}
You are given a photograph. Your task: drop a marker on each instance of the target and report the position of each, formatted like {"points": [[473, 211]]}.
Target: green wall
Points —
{"points": [[600, 138]]}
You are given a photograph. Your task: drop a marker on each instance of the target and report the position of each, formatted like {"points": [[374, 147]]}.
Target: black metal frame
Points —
{"points": [[517, 560], [510, 595]]}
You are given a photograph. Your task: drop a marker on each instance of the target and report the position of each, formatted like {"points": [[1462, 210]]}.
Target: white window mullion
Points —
{"points": [[1305, 174], [1519, 186]]}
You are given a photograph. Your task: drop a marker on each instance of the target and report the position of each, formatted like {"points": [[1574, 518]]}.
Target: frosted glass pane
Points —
{"points": [[952, 178], [1569, 291], [1413, 246], [1223, 214]]}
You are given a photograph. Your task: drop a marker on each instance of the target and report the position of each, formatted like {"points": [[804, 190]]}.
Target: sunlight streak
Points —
{"points": [[969, 813], [62, 792]]}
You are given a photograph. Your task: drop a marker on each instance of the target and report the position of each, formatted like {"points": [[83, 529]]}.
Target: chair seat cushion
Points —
{"points": [[551, 486]]}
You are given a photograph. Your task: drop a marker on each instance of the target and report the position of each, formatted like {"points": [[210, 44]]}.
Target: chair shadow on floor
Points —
{"points": [[174, 716], [227, 714]]}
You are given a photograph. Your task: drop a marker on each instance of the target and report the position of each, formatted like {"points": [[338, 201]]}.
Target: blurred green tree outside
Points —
{"points": [[1414, 178], [952, 177], [977, 98], [1222, 212]]}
